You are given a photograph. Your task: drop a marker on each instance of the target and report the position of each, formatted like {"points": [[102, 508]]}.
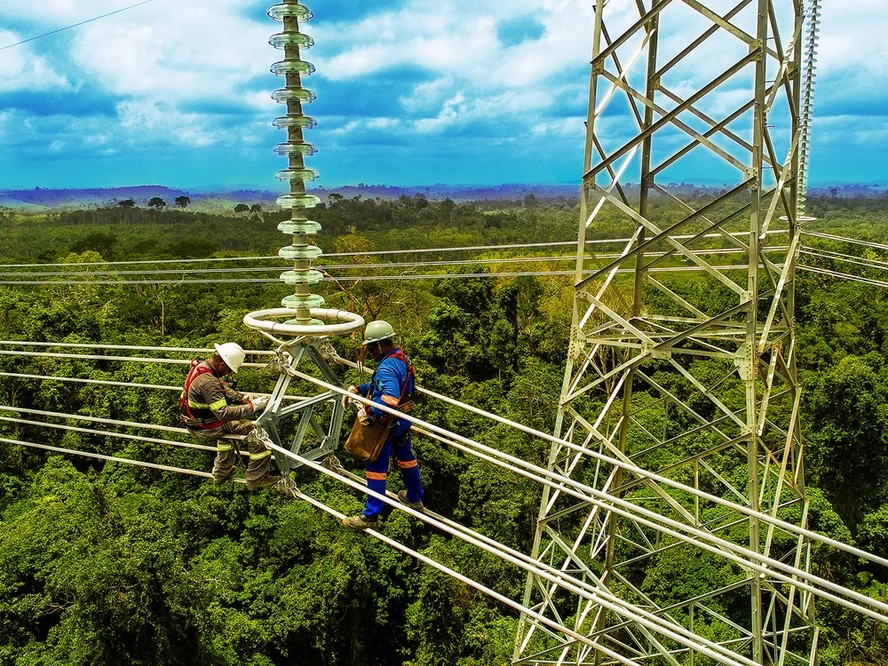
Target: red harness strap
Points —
{"points": [[197, 369], [403, 401]]}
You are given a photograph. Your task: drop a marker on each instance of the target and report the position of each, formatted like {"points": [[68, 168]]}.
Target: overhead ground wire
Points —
{"points": [[75, 25]]}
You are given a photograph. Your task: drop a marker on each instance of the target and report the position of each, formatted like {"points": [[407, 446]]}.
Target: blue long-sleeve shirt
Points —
{"points": [[385, 389]]}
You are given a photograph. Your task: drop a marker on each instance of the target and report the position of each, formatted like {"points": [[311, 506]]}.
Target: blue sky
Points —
{"points": [[410, 92]]}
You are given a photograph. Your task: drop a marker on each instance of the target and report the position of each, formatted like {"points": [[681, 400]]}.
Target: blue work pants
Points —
{"points": [[377, 471]]}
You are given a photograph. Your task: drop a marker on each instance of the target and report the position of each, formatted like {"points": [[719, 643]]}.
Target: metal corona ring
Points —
{"points": [[346, 322], [302, 305]]}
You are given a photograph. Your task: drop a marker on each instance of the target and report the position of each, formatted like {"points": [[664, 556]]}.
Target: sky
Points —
{"points": [[409, 92]]}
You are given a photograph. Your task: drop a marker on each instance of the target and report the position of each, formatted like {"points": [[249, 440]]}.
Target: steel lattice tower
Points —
{"points": [[682, 356]]}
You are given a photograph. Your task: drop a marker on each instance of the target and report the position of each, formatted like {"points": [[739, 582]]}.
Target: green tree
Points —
{"points": [[848, 433], [182, 201], [156, 203]]}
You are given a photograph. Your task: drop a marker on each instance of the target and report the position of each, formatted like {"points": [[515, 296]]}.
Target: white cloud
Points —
{"points": [[21, 69], [459, 39], [163, 61], [191, 53], [852, 37], [148, 120]]}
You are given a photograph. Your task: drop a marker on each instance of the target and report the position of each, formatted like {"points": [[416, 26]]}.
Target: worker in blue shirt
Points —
{"points": [[392, 385]]}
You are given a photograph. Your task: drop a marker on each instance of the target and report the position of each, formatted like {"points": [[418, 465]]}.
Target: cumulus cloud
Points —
{"points": [[195, 51], [21, 68], [415, 86]]}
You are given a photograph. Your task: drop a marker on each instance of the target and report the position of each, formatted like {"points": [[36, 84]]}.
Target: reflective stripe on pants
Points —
{"points": [[376, 474]]}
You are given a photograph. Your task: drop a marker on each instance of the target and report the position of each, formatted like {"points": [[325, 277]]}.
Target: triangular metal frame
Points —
{"points": [[287, 357]]}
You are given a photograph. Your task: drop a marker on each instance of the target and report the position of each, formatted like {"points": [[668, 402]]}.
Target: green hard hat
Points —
{"points": [[378, 330]]}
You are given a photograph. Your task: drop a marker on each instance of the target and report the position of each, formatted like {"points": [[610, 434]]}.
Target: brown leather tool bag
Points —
{"points": [[366, 441]]}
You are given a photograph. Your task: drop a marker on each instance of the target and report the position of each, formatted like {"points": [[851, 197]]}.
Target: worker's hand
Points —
{"points": [[259, 402], [345, 399], [364, 417]]}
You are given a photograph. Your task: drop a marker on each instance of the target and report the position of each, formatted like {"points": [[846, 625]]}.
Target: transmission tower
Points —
{"points": [[682, 357]]}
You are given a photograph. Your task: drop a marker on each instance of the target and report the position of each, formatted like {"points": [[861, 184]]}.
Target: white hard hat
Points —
{"points": [[232, 354]]}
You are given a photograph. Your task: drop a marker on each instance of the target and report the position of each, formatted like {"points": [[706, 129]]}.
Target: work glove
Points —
{"points": [[345, 399], [364, 417], [259, 402]]}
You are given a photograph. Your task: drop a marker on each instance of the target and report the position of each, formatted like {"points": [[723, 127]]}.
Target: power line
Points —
{"points": [[68, 27], [108, 433], [99, 456], [570, 486], [842, 239], [845, 258], [844, 276], [106, 421], [375, 266], [370, 278], [471, 248], [101, 345]]}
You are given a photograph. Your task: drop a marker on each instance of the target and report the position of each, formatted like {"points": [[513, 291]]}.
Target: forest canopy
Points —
{"points": [[104, 563]]}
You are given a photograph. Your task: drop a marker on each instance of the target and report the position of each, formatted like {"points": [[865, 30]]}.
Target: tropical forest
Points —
{"points": [[104, 563]]}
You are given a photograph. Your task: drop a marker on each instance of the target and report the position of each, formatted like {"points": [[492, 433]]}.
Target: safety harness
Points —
{"points": [[203, 412], [407, 387]]}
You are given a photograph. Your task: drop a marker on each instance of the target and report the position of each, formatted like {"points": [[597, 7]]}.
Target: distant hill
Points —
{"points": [[225, 199], [44, 199]]}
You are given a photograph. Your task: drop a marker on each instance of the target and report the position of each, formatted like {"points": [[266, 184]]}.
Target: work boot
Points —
{"points": [[419, 506], [360, 522], [266, 481], [221, 476]]}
